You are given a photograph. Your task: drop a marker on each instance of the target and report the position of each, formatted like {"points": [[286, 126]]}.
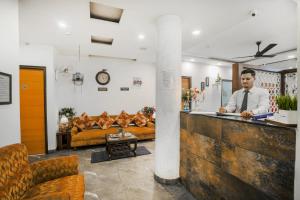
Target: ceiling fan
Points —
{"points": [[259, 53]]}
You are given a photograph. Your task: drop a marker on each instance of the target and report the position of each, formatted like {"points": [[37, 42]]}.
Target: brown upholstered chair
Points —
{"points": [[55, 178]]}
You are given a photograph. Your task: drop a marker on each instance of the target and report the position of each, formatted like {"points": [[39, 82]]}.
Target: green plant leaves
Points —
{"points": [[68, 112], [287, 102]]}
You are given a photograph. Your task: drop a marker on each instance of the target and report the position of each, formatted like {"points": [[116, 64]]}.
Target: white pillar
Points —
{"points": [[168, 97], [297, 165]]}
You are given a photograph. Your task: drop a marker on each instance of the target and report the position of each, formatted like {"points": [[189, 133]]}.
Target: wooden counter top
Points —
{"points": [[240, 119], [226, 157]]}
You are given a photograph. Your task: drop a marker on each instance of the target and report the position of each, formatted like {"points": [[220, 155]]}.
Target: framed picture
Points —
{"points": [[124, 88], [137, 82], [102, 89], [202, 86], [5, 88], [207, 81]]}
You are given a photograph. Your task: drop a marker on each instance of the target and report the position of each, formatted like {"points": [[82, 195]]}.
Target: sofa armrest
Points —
{"points": [[74, 130], [51, 196], [50, 169], [150, 125]]}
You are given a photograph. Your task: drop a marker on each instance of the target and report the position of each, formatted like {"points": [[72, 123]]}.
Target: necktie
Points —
{"points": [[244, 103]]}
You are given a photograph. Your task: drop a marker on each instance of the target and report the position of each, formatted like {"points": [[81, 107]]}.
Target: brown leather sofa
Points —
{"points": [[97, 136], [55, 178]]}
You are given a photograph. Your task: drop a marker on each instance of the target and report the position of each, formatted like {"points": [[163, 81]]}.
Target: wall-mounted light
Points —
{"points": [[77, 78]]}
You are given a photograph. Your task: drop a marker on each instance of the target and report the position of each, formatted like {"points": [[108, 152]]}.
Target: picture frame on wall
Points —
{"points": [[207, 81], [202, 86], [137, 82], [5, 89]]}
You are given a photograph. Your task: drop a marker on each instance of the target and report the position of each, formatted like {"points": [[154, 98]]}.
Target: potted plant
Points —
{"points": [[67, 112], [287, 106], [148, 112]]}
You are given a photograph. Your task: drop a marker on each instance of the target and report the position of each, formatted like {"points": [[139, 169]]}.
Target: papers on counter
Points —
{"points": [[202, 112], [215, 113], [228, 114]]}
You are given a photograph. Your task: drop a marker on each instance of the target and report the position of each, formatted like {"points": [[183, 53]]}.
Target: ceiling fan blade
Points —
{"points": [[243, 57], [268, 56], [270, 46]]}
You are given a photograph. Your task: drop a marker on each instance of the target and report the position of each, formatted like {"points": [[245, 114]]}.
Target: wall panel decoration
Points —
{"points": [[270, 81], [290, 84]]}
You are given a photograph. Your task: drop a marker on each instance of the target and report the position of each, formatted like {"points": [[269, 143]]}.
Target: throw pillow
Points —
{"points": [[140, 119], [105, 121], [123, 119], [87, 121], [150, 125], [79, 124]]}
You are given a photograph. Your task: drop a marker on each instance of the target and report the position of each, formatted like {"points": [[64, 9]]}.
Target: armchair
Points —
{"points": [[56, 178]]}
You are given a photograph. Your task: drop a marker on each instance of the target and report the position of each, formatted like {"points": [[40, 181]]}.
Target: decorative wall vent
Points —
{"points": [[104, 12], [101, 40]]}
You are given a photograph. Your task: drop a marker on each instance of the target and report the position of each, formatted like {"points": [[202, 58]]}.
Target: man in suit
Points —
{"points": [[249, 100]]}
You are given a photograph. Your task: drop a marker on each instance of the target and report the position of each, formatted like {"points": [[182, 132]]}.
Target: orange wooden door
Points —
{"points": [[32, 110], [185, 84]]}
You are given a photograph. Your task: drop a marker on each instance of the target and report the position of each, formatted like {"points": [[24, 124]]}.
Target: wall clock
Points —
{"points": [[103, 77]]}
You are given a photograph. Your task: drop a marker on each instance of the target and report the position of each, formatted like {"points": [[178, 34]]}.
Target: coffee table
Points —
{"points": [[118, 145]]}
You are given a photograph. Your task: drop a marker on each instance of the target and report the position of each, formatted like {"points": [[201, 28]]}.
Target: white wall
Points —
{"points": [[198, 72], [9, 40], [88, 99], [40, 55]]}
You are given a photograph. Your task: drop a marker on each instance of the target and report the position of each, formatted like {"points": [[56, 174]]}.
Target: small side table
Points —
{"points": [[63, 140]]}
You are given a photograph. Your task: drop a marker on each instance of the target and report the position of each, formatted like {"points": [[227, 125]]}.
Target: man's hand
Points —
{"points": [[222, 110], [246, 114]]}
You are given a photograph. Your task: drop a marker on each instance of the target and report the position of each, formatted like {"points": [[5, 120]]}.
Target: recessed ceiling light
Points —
{"points": [[141, 36], [196, 32], [192, 60], [219, 63], [291, 56], [62, 24]]}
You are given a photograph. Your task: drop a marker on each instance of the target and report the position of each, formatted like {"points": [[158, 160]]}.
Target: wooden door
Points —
{"points": [[32, 109], [186, 83]]}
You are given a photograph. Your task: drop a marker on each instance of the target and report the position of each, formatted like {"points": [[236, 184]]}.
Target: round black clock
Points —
{"points": [[102, 77]]}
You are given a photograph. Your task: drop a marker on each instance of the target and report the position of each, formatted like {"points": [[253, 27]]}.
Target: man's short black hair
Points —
{"points": [[248, 71]]}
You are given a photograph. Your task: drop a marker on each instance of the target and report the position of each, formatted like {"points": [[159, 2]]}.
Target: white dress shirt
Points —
{"points": [[258, 101]]}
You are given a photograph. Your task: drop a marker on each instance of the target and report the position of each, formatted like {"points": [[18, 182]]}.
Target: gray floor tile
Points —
{"points": [[123, 179]]}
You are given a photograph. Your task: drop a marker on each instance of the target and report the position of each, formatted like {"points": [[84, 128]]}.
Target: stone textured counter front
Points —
{"points": [[227, 158]]}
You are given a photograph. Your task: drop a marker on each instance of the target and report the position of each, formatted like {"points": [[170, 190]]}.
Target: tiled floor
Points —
{"points": [[125, 179]]}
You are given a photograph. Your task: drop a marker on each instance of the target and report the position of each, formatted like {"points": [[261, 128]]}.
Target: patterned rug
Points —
{"points": [[102, 156]]}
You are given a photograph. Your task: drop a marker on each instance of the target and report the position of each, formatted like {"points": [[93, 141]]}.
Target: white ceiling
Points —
{"points": [[227, 28]]}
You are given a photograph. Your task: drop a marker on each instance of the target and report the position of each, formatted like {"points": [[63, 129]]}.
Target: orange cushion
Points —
{"points": [[140, 120], [105, 121], [72, 185], [93, 134], [123, 119], [86, 120], [137, 131], [78, 123]]}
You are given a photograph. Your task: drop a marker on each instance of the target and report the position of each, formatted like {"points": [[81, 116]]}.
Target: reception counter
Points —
{"points": [[228, 158]]}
